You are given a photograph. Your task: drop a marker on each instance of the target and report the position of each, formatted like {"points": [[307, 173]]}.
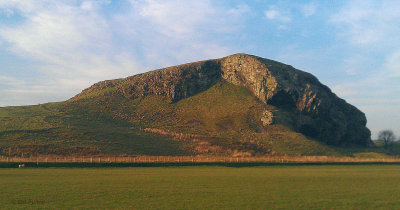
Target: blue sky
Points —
{"points": [[51, 50]]}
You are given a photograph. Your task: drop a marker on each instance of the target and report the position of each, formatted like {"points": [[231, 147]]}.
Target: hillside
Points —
{"points": [[240, 105]]}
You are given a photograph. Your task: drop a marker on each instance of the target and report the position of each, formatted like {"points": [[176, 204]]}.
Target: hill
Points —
{"points": [[239, 105]]}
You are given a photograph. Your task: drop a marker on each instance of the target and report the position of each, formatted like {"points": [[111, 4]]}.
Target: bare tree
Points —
{"points": [[387, 137]]}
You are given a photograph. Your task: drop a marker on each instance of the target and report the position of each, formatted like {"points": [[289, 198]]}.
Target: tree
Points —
{"points": [[387, 137]]}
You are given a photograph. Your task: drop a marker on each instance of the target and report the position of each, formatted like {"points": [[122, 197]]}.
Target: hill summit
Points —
{"points": [[237, 105], [302, 102]]}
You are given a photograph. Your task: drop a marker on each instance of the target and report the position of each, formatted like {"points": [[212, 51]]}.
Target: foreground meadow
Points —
{"points": [[288, 187]]}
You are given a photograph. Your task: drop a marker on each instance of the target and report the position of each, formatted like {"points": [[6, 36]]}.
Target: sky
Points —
{"points": [[52, 50]]}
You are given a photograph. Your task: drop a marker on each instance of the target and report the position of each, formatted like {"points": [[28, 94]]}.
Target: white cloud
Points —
{"points": [[23, 6], [71, 41], [7, 12], [308, 9], [8, 80], [94, 5], [182, 31], [369, 22], [239, 10], [355, 64], [273, 13], [22, 91], [392, 64], [186, 18], [176, 17]]}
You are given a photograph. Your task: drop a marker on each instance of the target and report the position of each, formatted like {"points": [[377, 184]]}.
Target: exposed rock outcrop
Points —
{"points": [[314, 110], [267, 118]]}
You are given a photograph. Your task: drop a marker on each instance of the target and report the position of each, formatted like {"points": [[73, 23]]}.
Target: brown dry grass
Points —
{"points": [[266, 159]]}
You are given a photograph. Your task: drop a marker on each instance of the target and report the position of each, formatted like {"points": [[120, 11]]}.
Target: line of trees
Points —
{"points": [[387, 137]]}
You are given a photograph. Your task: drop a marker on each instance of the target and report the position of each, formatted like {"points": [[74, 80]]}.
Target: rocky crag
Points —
{"points": [[302, 103]]}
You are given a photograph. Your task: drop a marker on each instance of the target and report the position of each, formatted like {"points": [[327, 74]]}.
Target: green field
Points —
{"points": [[286, 187]]}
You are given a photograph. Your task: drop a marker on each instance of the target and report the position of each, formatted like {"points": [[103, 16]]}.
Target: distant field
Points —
{"points": [[287, 187]]}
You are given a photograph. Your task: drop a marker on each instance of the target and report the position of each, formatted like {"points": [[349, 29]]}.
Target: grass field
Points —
{"points": [[286, 187]]}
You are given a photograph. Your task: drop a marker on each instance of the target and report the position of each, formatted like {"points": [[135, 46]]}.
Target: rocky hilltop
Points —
{"points": [[299, 100]]}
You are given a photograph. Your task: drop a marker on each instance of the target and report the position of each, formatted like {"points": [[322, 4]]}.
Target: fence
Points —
{"points": [[197, 159]]}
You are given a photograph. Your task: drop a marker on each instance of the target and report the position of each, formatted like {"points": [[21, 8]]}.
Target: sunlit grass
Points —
{"points": [[285, 187]]}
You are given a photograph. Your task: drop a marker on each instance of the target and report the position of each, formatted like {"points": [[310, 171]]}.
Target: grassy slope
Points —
{"points": [[225, 117], [289, 187], [52, 129]]}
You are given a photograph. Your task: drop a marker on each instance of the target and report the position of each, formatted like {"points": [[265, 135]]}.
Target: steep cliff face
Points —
{"points": [[314, 110], [309, 106]]}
